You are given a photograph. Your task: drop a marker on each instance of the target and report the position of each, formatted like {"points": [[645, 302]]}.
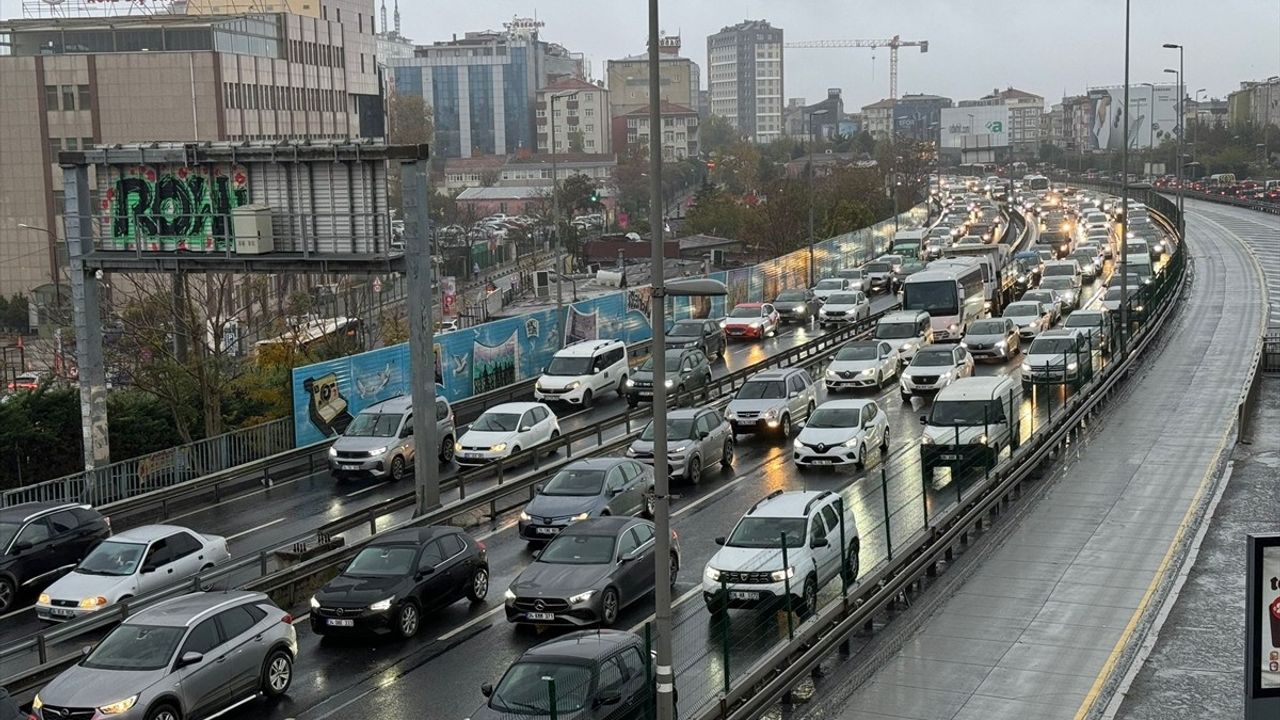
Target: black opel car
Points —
{"points": [[41, 541], [390, 583]]}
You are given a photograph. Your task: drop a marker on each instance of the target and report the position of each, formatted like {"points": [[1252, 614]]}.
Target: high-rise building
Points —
{"points": [[744, 78], [628, 79], [919, 116], [822, 118], [482, 87], [1255, 103], [579, 114], [71, 83]]}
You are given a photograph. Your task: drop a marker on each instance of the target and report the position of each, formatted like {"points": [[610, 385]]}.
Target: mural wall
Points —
{"points": [[478, 359], [173, 208]]}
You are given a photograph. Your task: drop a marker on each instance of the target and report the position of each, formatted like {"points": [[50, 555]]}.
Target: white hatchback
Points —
{"points": [[504, 430], [840, 432]]}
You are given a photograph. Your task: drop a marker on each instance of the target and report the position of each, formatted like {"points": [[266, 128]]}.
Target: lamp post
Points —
{"points": [[1124, 196], [1195, 129], [555, 203], [1181, 129], [812, 279], [54, 275], [896, 181]]}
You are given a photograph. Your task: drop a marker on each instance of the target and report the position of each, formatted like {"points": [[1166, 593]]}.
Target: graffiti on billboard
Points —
{"points": [[159, 207]]}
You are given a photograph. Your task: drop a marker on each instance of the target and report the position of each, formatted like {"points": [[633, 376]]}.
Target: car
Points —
{"points": [[190, 657], [934, 368], [970, 423], [1068, 290], [771, 400], [27, 381], [9, 708], [599, 675], [1057, 356], [504, 430], [839, 433], [1049, 297], [1090, 259], [906, 330], [705, 335], [587, 488], [583, 371], [844, 307], [1031, 316], [827, 286], [857, 278], [378, 443], [993, 338], [861, 364], [1094, 323], [751, 320], [696, 439], [1111, 300], [880, 277], [398, 577], [41, 541], [821, 539], [138, 561], [687, 371], [588, 574], [797, 305]]}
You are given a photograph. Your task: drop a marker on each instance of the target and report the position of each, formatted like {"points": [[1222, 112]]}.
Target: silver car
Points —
{"points": [[190, 657], [771, 400], [378, 444], [696, 438]]}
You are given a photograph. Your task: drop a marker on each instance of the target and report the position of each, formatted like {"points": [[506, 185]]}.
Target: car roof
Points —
{"points": [[846, 404], [612, 524], [977, 387], [416, 535], [773, 374], [583, 644], [904, 315], [586, 348], [148, 533], [787, 504], [27, 511], [1060, 333], [748, 305], [690, 321], [189, 609], [686, 413], [514, 407], [397, 404], [597, 463]]}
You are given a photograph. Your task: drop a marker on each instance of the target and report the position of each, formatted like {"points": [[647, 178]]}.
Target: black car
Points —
{"points": [[598, 674], [389, 584], [687, 371], [705, 335], [41, 541], [798, 305]]}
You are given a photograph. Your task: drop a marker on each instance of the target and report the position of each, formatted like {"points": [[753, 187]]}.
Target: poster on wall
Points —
{"points": [[581, 326], [1269, 620], [173, 207], [494, 366]]}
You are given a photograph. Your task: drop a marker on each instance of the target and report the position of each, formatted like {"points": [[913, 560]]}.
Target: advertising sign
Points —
{"points": [[1153, 116], [1262, 628], [449, 293], [979, 126]]}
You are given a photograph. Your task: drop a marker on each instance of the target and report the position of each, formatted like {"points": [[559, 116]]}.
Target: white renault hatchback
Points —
{"points": [[840, 432]]}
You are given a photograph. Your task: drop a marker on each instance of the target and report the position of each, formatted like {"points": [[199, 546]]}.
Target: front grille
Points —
{"points": [[352, 454], [65, 603], [978, 346], [334, 612], [547, 605], [643, 455], [476, 448], [847, 374], [835, 313], [58, 712], [553, 391], [924, 379], [746, 578], [748, 415], [819, 447]]}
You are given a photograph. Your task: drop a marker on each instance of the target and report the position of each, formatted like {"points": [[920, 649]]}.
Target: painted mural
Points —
{"points": [[166, 208]]}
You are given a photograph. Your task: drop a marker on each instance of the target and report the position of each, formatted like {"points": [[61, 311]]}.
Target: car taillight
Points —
{"points": [[107, 520], [287, 619], [480, 544]]}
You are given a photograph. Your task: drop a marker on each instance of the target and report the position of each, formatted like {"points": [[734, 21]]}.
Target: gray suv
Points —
{"points": [[696, 438], [378, 444], [773, 400], [190, 657]]}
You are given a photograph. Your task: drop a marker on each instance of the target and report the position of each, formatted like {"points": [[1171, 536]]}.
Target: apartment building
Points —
{"points": [[679, 131], [744, 78], [578, 113], [679, 79]]}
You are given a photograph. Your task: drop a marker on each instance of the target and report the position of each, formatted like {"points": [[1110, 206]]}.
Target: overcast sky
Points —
{"points": [[1043, 46]]}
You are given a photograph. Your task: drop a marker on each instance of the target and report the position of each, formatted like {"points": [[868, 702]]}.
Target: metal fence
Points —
{"points": [[1271, 353], [145, 473]]}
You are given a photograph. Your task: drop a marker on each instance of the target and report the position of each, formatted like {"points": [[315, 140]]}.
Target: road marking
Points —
{"points": [[352, 701], [692, 591], [255, 529], [362, 491], [301, 617], [470, 623], [17, 612]]}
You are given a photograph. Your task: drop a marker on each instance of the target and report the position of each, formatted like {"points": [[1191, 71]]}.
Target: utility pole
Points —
{"points": [[1124, 198], [812, 278], [1182, 130], [555, 203], [418, 268]]}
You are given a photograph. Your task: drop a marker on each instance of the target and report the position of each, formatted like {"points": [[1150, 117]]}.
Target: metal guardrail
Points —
{"points": [[1271, 353]]}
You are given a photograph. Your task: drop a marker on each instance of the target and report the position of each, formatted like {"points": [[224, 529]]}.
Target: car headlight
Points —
{"points": [[869, 371], [711, 574], [680, 450], [631, 452], [1072, 366], [44, 599], [581, 597], [954, 327], [580, 516], [631, 383], [723, 323], [457, 447], [37, 703], [508, 595], [573, 385], [851, 442], [1026, 367], [771, 413], [383, 605], [831, 373], [982, 439], [926, 440], [755, 323], [525, 516], [92, 603], [500, 447], [784, 574], [119, 706], [800, 307], [315, 604], [333, 451], [668, 382], [730, 415], [905, 347], [1001, 344], [1022, 278]]}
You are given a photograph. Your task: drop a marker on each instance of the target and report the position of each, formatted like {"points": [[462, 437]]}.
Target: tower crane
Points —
{"points": [[893, 44]]}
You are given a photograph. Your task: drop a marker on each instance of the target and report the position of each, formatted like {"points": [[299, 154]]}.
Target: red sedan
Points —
{"points": [[751, 321]]}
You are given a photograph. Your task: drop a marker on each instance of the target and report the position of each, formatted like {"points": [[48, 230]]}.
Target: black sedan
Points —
{"points": [[688, 371], [588, 574], [799, 305], [389, 584], [705, 335]]}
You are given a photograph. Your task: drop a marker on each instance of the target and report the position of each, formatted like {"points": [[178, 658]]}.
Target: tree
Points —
{"points": [[631, 180], [780, 222], [409, 122], [13, 314], [714, 212], [716, 135], [576, 141], [576, 193]]}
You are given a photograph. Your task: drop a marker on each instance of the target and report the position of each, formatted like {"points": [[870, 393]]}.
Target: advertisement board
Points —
{"points": [[1153, 116], [1262, 628], [984, 126]]}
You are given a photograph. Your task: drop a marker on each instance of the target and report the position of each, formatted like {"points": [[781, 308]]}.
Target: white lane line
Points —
{"points": [[362, 491], [470, 623], [17, 612], [692, 591], [352, 701], [301, 618], [255, 529]]}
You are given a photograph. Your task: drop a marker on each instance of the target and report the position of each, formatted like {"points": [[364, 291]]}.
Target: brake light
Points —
{"points": [[480, 544], [287, 619], [107, 520]]}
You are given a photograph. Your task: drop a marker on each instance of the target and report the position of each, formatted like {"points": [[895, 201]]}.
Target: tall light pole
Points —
{"points": [[1124, 196], [1182, 129], [54, 275], [812, 279], [896, 181], [1195, 130], [555, 204], [1151, 90]]}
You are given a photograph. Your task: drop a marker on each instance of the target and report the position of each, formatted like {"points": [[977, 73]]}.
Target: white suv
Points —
{"points": [[748, 571], [583, 371]]}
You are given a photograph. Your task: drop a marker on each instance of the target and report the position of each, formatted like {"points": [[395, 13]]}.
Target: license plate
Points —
{"points": [[333, 622], [743, 595], [949, 456], [735, 331], [646, 393], [540, 616], [470, 455], [821, 461], [350, 467], [60, 612], [547, 530]]}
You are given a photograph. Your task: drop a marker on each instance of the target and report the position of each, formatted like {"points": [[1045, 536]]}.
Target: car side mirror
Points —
{"points": [[86, 649], [407, 432], [720, 540], [819, 543], [526, 428], [486, 689], [190, 658], [149, 569], [423, 572], [21, 546], [537, 488], [608, 697], [704, 435], [924, 420], [614, 491]]}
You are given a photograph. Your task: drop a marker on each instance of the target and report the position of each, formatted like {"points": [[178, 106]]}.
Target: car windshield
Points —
{"points": [[1059, 271], [672, 362], [686, 329], [523, 689], [496, 422], [745, 312], [1040, 297], [896, 330], [1052, 346], [1083, 320], [575, 549], [7, 531], [383, 561], [879, 267], [135, 647], [570, 366], [766, 532], [374, 425], [858, 351], [677, 429], [1056, 283], [835, 418], [762, 390], [1019, 309], [961, 412], [843, 299], [937, 297], [851, 273], [987, 327], [791, 296], [575, 482], [931, 358], [112, 558], [831, 284]]}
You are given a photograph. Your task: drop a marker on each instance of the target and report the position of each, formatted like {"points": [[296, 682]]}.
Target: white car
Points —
{"points": [[934, 368], [1048, 297], [1032, 316], [128, 564], [844, 307], [583, 371], [1058, 356], [861, 364], [825, 288], [1111, 301], [839, 433], [906, 330], [504, 430]]}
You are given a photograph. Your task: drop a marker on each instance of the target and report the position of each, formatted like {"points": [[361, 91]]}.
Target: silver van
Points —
{"points": [[378, 444]]}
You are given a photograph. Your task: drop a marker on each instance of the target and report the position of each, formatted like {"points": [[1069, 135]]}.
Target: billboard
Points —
{"points": [[1152, 117], [978, 126]]}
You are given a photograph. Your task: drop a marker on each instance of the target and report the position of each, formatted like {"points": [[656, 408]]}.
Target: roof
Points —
{"points": [[566, 159], [23, 511], [668, 108], [612, 524], [787, 504], [602, 463], [685, 413], [904, 315], [416, 535], [587, 348], [148, 533], [478, 162], [882, 104], [584, 644], [504, 193], [399, 403], [514, 407], [973, 388], [773, 374], [570, 83], [691, 242], [846, 404], [188, 609]]}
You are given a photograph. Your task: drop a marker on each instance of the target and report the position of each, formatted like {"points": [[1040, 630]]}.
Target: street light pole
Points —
{"points": [[812, 279], [1182, 130], [1124, 197], [555, 204], [54, 275]]}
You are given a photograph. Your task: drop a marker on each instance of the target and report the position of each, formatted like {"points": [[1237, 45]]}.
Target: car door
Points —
{"points": [[770, 316], [242, 651], [158, 569], [406, 439], [701, 369], [70, 541], [545, 423], [186, 553], [822, 556], [33, 547], [888, 360], [203, 685], [611, 679], [631, 572], [528, 433], [636, 692], [646, 546], [795, 396], [432, 579], [864, 306], [454, 566], [617, 500], [709, 445]]}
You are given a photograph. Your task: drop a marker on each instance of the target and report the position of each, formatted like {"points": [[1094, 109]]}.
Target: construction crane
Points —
{"points": [[893, 44]]}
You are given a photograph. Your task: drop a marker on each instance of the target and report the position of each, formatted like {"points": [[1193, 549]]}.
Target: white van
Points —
{"points": [[971, 422], [583, 371], [907, 331]]}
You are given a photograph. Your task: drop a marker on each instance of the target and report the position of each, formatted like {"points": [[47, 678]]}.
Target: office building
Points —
{"points": [[877, 119], [1025, 110], [744, 78], [679, 132], [1255, 103], [628, 79], [919, 117], [825, 123], [579, 115]]}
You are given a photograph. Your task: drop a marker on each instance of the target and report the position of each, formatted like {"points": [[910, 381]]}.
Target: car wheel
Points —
{"points": [[906, 399], [720, 352], [446, 450], [277, 674], [809, 599], [861, 462], [586, 399], [7, 592], [163, 712], [408, 620], [808, 413], [679, 394], [397, 468], [879, 379], [853, 566], [622, 386], [478, 588], [609, 607], [786, 426], [726, 456], [649, 505], [632, 402], [884, 441], [695, 470]]}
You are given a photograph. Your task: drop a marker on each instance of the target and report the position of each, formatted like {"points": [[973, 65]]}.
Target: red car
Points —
{"points": [[751, 320], [26, 381]]}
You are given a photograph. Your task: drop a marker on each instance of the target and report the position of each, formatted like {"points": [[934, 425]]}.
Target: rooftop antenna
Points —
{"points": [[383, 16], [397, 16]]}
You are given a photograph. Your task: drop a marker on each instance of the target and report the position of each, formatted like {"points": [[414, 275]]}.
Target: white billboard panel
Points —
{"points": [[981, 126], [1153, 116]]}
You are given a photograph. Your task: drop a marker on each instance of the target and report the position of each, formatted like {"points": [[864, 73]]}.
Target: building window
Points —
{"points": [[86, 143], [590, 112], [51, 97], [68, 97], [72, 144], [591, 144], [86, 101], [55, 147], [591, 128]]}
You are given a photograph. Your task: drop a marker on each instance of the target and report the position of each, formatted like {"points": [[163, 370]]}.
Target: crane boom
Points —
{"points": [[892, 43]]}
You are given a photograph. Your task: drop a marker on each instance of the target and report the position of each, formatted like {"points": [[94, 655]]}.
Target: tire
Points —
{"points": [[397, 468], [720, 352], [609, 607], [678, 395], [675, 569], [726, 455], [8, 593], [808, 598], [785, 426], [808, 413], [408, 620], [446, 450], [277, 674], [861, 463], [906, 399], [648, 507], [855, 566], [164, 711], [586, 398], [555, 434], [478, 588], [622, 386], [879, 379], [694, 473], [632, 402], [884, 442]]}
